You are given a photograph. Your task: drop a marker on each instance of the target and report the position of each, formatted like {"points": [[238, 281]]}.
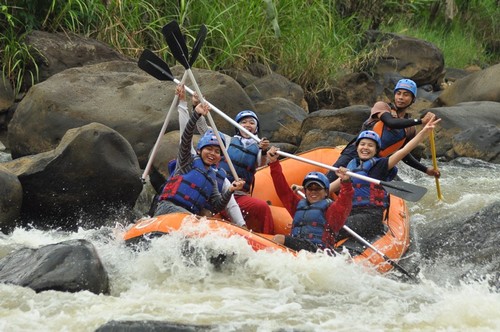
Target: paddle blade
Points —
{"points": [[176, 43], [200, 38], [405, 190], [154, 66]]}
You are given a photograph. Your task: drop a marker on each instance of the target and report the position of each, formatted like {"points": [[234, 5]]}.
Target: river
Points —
{"points": [[272, 291]]}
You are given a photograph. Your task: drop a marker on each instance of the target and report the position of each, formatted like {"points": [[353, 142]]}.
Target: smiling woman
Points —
{"points": [[370, 201], [316, 219], [193, 186]]}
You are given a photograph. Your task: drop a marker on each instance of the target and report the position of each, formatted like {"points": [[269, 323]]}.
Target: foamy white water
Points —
{"points": [[266, 291]]}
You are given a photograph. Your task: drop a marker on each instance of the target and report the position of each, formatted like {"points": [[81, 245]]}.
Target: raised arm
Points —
{"points": [[287, 196], [405, 150], [398, 123], [184, 156]]}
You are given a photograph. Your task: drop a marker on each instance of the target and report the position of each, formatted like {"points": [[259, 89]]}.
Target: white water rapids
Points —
{"points": [[270, 291]]}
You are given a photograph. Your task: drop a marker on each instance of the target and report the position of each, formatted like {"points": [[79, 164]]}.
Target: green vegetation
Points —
{"points": [[309, 41]]}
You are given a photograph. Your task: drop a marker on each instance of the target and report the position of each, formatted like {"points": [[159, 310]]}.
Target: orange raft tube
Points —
{"points": [[393, 244]]}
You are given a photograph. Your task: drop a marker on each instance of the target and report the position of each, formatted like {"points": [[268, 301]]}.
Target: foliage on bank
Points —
{"points": [[308, 41]]}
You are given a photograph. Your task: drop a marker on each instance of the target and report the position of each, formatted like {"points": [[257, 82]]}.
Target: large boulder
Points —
{"points": [[91, 172], [348, 119], [469, 130], [223, 92], [479, 86], [275, 86], [412, 58], [70, 266], [11, 198], [280, 120], [462, 242], [332, 127], [317, 138], [117, 94], [57, 51], [359, 89], [153, 326]]}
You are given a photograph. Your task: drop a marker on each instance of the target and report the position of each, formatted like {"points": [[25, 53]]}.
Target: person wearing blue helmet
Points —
{"points": [[394, 126], [370, 200], [232, 210], [247, 155], [316, 218], [193, 186]]}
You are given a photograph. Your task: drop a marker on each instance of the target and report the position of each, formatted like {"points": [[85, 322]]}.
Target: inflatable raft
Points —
{"points": [[393, 244]]}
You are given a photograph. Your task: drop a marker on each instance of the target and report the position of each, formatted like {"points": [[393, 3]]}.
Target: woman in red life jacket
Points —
{"points": [[394, 127], [316, 218], [370, 200]]}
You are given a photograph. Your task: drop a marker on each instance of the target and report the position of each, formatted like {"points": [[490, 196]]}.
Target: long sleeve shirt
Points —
{"points": [[336, 213], [232, 208], [185, 164]]}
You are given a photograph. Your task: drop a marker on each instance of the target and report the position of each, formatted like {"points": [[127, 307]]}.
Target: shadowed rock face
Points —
{"points": [[11, 198], [117, 94], [480, 86], [153, 326], [91, 171], [465, 242], [469, 130]]}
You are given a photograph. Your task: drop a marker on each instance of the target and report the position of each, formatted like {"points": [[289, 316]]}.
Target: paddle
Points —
{"points": [[434, 163], [162, 132], [196, 50], [401, 189], [156, 67], [175, 41], [384, 256], [365, 242]]}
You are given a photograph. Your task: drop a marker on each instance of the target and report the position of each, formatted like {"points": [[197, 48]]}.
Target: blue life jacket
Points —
{"points": [[244, 161], [368, 194], [309, 222], [191, 190]]}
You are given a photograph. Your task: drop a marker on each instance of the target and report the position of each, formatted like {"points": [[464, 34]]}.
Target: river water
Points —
{"points": [[271, 291]]}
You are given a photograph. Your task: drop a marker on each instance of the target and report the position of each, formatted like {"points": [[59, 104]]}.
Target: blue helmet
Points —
{"points": [[408, 85], [209, 138], [316, 177], [370, 135], [245, 114]]}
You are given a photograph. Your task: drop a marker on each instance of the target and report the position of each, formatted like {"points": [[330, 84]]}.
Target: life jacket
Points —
{"points": [[309, 222], [244, 160], [368, 194], [392, 139], [191, 190]]}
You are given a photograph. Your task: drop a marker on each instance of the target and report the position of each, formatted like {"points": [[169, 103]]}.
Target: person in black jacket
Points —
{"points": [[394, 127]]}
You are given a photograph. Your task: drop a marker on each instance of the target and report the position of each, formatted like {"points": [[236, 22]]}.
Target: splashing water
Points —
{"points": [[175, 281]]}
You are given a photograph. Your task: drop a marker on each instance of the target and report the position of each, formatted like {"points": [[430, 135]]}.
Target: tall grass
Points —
{"points": [[309, 41], [459, 50], [18, 63], [305, 41]]}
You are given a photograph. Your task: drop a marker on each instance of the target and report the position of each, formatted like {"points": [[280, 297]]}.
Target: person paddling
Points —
{"points": [[394, 127], [247, 155], [232, 209], [370, 200], [193, 184], [316, 218]]}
